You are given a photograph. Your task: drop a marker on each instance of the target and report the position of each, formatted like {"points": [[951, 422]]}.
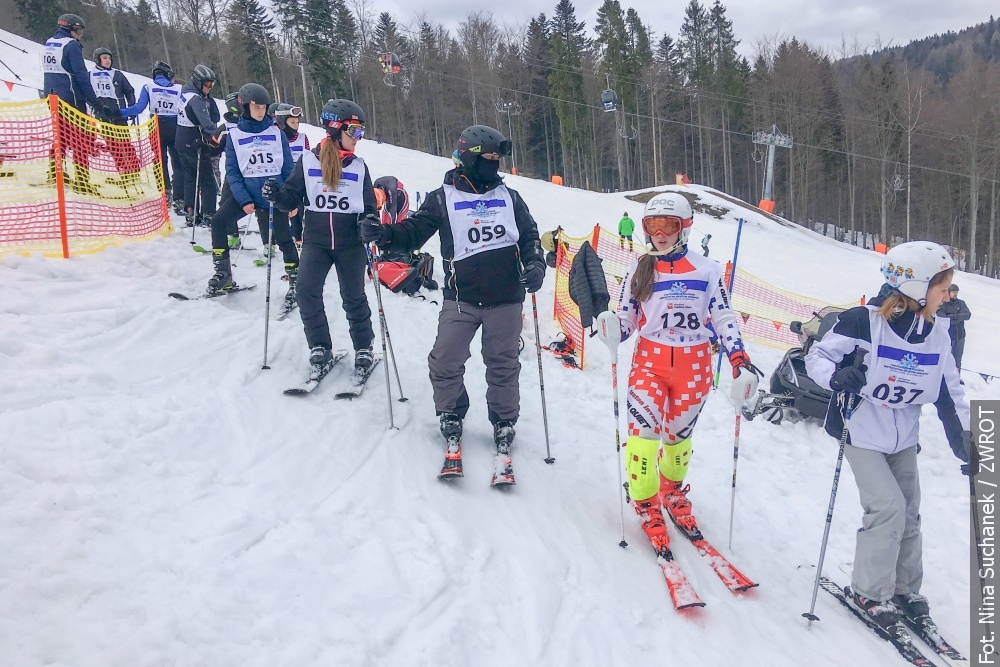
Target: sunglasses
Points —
{"points": [[662, 225], [210, 84]]}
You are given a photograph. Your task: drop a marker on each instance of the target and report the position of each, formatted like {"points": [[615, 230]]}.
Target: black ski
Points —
{"points": [[927, 630], [212, 295], [452, 460], [899, 637], [316, 376], [357, 382]]}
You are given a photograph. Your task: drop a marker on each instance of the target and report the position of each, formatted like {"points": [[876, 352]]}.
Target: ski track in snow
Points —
{"points": [[164, 504]]}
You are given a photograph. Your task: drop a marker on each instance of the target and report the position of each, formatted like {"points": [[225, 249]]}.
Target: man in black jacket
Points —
{"points": [[113, 90], [196, 125], [487, 236], [958, 312]]}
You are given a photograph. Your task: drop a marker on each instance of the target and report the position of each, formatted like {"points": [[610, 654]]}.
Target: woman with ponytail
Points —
{"points": [[669, 296], [907, 362], [335, 189]]}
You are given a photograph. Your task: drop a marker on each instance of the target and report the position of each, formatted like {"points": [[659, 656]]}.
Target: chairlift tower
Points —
{"points": [[511, 109], [772, 139]]}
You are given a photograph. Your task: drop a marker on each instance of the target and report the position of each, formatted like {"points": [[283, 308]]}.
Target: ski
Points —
{"points": [[208, 251], [900, 639], [926, 629], [452, 460], [316, 376], [286, 309], [503, 472], [682, 593], [735, 581], [212, 295], [357, 382]]}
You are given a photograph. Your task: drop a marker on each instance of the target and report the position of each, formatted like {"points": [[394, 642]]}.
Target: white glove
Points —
{"points": [[744, 387], [609, 330]]}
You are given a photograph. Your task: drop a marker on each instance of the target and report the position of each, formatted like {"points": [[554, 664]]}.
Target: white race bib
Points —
{"points": [[298, 147], [103, 82], [182, 117], [678, 307], [349, 195], [903, 373], [480, 222], [165, 101], [53, 54], [258, 154]]}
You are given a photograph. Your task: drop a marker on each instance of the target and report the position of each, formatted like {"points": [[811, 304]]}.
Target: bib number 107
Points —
{"points": [[899, 394], [486, 233]]}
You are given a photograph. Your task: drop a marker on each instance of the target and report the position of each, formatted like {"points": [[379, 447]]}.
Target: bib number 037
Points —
{"points": [[899, 394], [486, 233]]}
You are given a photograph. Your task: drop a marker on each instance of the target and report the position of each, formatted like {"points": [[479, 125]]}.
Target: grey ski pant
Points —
{"points": [[887, 558], [457, 325]]}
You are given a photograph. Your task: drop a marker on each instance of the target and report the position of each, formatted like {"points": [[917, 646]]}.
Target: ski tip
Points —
{"points": [[178, 296]]}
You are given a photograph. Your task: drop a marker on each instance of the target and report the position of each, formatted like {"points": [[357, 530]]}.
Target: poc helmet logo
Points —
{"points": [[662, 202]]}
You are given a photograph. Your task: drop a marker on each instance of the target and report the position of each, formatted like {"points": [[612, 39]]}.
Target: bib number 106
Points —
{"points": [[486, 233], [899, 394]]}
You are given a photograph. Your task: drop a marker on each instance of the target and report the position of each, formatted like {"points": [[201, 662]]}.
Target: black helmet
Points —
{"points": [[101, 51], [271, 109], [336, 112], [201, 75], [163, 69], [256, 93], [282, 112], [233, 108], [476, 140], [71, 21]]}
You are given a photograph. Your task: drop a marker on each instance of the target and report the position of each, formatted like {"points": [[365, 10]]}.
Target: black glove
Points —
{"points": [[269, 191], [963, 450], [533, 276], [373, 231], [849, 379]]}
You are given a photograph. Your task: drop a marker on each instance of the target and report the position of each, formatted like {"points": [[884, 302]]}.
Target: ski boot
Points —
{"points": [[178, 205], [651, 515], [914, 607], [363, 360], [451, 428], [223, 278], [292, 273], [674, 497], [503, 437], [319, 355], [189, 219], [883, 614]]}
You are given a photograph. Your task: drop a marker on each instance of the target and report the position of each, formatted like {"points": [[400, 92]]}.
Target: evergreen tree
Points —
{"points": [[249, 27], [694, 43], [39, 17], [566, 81]]}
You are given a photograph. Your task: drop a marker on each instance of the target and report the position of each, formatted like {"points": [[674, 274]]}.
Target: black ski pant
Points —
{"points": [[225, 222], [957, 350], [313, 269], [173, 185], [296, 223], [189, 153]]}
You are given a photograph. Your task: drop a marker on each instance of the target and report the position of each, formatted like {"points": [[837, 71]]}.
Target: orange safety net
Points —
{"points": [[74, 185], [766, 310]]}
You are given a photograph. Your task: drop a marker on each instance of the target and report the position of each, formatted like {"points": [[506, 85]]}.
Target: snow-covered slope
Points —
{"points": [[163, 503]]}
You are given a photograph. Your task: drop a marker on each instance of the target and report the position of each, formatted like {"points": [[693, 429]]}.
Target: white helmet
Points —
{"points": [[674, 204], [910, 267]]}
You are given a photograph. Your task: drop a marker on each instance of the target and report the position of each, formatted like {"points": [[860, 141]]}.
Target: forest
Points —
{"points": [[888, 144]]}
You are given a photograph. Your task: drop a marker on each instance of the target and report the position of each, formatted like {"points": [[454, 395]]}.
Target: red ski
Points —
{"points": [[682, 593], [734, 580]]}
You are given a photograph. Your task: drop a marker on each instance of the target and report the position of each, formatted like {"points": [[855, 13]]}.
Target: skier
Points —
{"points": [[256, 150], [491, 252], [114, 92], [334, 186], [958, 314], [668, 297], [626, 230], [288, 117], [66, 76], [907, 364], [163, 98], [196, 124], [704, 244]]}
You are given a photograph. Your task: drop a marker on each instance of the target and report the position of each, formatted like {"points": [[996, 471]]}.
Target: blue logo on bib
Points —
{"points": [[910, 362]]}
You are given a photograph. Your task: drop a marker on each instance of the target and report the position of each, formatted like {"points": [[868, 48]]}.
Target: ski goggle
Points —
{"points": [[354, 130], [503, 149], [662, 225], [294, 112]]}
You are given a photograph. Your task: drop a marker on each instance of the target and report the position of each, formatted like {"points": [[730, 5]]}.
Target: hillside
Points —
{"points": [[163, 503]]}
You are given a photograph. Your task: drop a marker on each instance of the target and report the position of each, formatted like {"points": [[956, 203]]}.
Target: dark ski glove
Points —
{"points": [[270, 190], [533, 276], [849, 379], [373, 231], [963, 448]]}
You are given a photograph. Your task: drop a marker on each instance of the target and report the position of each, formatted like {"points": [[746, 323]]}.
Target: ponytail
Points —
{"points": [[330, 164], [642, 280]]}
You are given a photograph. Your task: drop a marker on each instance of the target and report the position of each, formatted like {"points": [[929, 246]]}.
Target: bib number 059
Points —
{"points": [[486, 233]]}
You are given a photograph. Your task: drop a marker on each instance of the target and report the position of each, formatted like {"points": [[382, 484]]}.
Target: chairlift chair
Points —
{"points": [[609, 100], [391, 65]]}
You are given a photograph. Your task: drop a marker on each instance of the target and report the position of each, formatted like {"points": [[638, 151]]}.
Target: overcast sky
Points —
{"points": [[820, 22]]}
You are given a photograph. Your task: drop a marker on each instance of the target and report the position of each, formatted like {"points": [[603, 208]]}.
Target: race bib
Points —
{"points": [[103, 83], [165, 101], [258, 154], [52, 55], [903, 373], [348, 197], [480, 222]]}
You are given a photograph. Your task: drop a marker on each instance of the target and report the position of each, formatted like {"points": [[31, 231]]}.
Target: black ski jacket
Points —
{"points": [[201, 109], [488, 279], [330, 230]]}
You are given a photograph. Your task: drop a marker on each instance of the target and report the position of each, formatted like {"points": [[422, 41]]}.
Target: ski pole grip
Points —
{"points": [[609, 330], [859, 361]]}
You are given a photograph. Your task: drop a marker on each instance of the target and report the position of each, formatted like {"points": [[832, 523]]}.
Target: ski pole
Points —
{"points": [[732, 497], [388, 338], [243, 237], [732, 281], [267, 291], [848, 411], [381, 326], [541, 380], [611, 335], [197, 191]]}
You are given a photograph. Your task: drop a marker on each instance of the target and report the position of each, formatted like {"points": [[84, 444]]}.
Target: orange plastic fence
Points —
{"points": [[766, 310], [73, 185]]}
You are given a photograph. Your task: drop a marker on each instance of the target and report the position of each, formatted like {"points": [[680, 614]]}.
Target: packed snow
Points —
{"points": [[164, 503]]}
